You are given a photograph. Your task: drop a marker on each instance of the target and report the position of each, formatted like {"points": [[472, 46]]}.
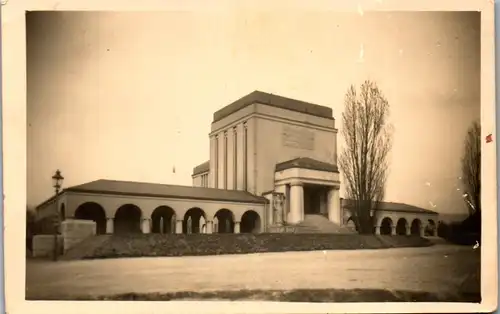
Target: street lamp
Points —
{"points": [[57, 181]]}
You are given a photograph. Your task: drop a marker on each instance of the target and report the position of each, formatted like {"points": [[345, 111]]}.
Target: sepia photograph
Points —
{"points": [[237, 154]]}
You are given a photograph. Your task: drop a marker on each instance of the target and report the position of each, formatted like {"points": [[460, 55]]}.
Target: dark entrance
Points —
{"points": [[128, 219], [313, 196], [95, 212]]}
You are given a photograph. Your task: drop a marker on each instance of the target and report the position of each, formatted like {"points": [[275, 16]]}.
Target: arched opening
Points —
{"points": [[128, 219], [250, 222], [430, 229], [415, 227], [401, 226], [350, 224], [225, 221], [62, 213], [163, 220], [386, 226], [92, 211], [191, 222]]}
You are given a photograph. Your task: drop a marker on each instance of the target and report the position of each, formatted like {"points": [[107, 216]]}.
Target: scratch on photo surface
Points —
{"points": [[360, 10]]}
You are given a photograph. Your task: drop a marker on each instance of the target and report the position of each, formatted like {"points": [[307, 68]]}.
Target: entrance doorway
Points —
{"points": [[314, 199]]}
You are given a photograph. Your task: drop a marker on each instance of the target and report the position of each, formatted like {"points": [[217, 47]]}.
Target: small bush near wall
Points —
{"points": [[116, 246]]}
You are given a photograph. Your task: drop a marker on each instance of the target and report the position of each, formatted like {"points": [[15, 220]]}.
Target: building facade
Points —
{"points": [[272, 162]]}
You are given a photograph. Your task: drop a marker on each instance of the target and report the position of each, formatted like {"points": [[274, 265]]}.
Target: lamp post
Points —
{"points": [[57, 180]]}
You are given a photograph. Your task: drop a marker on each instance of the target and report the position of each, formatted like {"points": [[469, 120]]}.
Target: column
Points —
{"points": [[239, 157], [146, 227], [209, 227], [422, 231], [231, 184], [250, 155], [213, 162], [220, 161], [408, 230], [178, 227], [296, 202], [109, 225], [393, 230], [236, 227], [234, 169], [377, 230], [334, 205]]}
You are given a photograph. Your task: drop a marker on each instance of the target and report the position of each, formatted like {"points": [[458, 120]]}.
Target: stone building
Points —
{"points": [[272, 163]]}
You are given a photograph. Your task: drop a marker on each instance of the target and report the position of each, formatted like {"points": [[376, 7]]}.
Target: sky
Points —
{"points": [[130, 96]]}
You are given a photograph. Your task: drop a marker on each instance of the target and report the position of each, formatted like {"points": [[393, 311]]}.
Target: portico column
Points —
{"points": [[209, 227], [178, 226], [236, 227], [334, 205], [422, 231], [393, 230], [296, 202], [109, 225], [408, 230], [377, 229], [146, 228]]}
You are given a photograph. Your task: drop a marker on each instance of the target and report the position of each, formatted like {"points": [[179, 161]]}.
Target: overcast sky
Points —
{"points": [[130, 96]]}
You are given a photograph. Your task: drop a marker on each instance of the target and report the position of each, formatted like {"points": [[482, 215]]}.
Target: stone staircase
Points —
{"points": [[314, 224]]}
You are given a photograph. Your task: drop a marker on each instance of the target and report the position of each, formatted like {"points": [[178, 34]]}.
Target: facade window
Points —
{"points": [[204, 180]]}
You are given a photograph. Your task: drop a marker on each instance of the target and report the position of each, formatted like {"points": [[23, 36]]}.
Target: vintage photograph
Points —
{"points": [[302, 156]]}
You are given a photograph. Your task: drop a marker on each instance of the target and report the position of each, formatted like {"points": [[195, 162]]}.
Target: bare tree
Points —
{"points": [[368, 140], [471, 168]]}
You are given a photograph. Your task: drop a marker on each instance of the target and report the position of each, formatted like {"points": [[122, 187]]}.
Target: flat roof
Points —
{"points": [[306, 163], [274, 101], [201, 168]]}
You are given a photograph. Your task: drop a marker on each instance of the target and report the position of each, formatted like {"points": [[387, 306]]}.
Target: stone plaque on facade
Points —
{"points": [[296, 137]]}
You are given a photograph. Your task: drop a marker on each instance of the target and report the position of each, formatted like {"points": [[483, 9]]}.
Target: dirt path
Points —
{"points": [[438, 269]]}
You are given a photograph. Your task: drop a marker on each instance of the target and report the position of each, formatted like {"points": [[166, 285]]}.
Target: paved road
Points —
{"points": [[440, 268]]}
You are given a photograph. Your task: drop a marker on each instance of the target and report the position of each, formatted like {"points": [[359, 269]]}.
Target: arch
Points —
{"points": [[250, 222], [161, 220], [128, 219], [194, 215], [225, 221], [62, 212], [415, 226], [401, 226], [92, 211], [431, 228], [386, 226], [350, 224]]}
